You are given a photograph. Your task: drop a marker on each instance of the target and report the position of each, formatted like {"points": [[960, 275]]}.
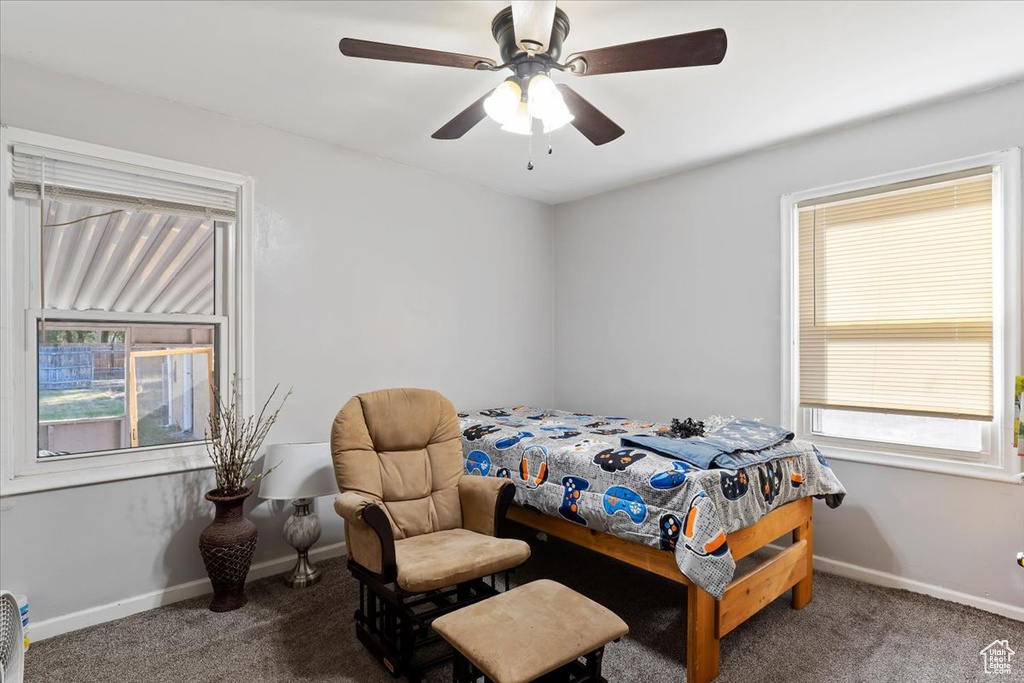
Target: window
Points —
{"points": [[126, 287], [110, 387], [903, 316]]}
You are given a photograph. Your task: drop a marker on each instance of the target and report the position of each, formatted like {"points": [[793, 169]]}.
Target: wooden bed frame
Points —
{"points": [[707, 619]]}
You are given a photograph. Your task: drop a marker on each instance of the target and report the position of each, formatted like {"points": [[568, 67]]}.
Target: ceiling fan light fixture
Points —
{"points": [[521, 123], [503, 104]]}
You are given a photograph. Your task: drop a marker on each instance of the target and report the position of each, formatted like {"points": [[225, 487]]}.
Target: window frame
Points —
{"points": [[20, 469], [1000, 461]]}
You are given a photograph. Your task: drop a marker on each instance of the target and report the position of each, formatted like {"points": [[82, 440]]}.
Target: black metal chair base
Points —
{"points": [[395, 625], [586, 671]]}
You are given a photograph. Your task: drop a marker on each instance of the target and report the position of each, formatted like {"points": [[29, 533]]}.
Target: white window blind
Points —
{"points": [[74, 178], [895, 299]]}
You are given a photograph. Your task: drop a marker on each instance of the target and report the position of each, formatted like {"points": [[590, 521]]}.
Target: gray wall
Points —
{"points": [[666, 304], [668, 296], [368, 274]]}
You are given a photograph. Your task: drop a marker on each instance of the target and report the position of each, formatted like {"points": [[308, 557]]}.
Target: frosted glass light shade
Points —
{"points": [[521, 123], [558, 116], [303, 470], [546, 103], [541, 94], [503, 104]]}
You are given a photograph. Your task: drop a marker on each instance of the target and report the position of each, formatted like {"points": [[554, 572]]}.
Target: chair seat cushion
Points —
{"points": [[543, 625], [445, 558]]}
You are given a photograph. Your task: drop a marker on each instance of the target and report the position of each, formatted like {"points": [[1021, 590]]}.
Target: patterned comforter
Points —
{"points": [[573, 466]]}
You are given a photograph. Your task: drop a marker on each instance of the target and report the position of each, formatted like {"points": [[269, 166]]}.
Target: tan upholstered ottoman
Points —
{"points": [[541, 628]]}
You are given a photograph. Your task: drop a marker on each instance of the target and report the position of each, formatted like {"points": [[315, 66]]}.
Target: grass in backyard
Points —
{"points": [[108, 401], [153, 432], [80, 404]]}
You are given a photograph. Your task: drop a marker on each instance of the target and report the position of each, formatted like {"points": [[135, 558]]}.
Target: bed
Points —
{"points": [[576, 479]]}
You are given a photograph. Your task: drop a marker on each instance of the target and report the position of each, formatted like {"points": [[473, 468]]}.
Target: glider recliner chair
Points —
{"points": [[421, 534]]}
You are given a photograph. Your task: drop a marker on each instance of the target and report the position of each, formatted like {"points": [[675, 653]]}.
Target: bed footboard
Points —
{"points": [[708, 620]]}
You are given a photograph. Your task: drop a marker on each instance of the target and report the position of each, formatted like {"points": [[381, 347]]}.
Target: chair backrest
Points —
{"points": [[402, 447]]}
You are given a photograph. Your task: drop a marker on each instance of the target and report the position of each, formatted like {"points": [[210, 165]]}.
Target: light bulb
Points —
{"points": [[503, 104], [521, 123], [542, 95]]}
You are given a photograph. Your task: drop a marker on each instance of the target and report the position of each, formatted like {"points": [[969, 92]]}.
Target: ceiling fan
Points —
{"points": [[529, 36]]}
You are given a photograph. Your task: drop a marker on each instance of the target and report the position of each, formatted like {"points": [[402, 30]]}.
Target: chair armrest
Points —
{"points": [[368, 534], [485, 501], [350, 505]]}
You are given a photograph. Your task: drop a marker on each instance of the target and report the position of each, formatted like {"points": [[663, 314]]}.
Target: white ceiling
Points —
{"points": [[793, 68]]}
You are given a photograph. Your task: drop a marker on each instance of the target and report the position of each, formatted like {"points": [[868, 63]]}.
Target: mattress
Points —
{"points": [[571, 465]]}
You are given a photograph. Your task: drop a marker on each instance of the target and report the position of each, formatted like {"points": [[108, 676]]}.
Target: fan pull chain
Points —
{"points": [[529, 148]]}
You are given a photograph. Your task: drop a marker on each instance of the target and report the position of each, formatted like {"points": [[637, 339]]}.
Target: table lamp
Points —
{"points": [[299, 472]]}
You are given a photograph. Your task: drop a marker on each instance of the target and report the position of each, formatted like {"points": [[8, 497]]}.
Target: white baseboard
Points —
{"points": [[66, 623], [880, 578]]}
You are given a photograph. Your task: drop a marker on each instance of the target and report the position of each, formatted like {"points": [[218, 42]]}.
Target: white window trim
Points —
{"points": [[1003, 463], [20, 472]]}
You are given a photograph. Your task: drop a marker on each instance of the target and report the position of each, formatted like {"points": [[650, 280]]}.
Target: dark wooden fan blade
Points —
{"points": [[701, 48], [589, 120], [463, 121], [351, 47]]}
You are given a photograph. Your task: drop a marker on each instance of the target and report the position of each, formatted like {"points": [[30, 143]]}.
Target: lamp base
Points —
{"points": [[304, 574], [302, 530]]}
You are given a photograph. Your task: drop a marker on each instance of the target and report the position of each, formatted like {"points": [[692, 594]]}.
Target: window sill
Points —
{"points": [[40, 478], [935, 465]]}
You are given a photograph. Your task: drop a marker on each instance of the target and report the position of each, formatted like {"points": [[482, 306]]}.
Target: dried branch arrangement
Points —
{"points": [[233, 442]]}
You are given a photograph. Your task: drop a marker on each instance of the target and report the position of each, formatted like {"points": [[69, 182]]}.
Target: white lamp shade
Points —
{"points": [[300, 470]]}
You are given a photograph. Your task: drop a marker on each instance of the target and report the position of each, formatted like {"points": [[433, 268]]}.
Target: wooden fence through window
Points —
{"points": [[77, 366]]}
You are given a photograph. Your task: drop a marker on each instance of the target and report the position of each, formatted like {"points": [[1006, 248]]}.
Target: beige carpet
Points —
{"points": [[850, 632]]}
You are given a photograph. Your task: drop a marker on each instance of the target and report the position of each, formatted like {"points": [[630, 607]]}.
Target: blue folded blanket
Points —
{"points": [[736, 444]]}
